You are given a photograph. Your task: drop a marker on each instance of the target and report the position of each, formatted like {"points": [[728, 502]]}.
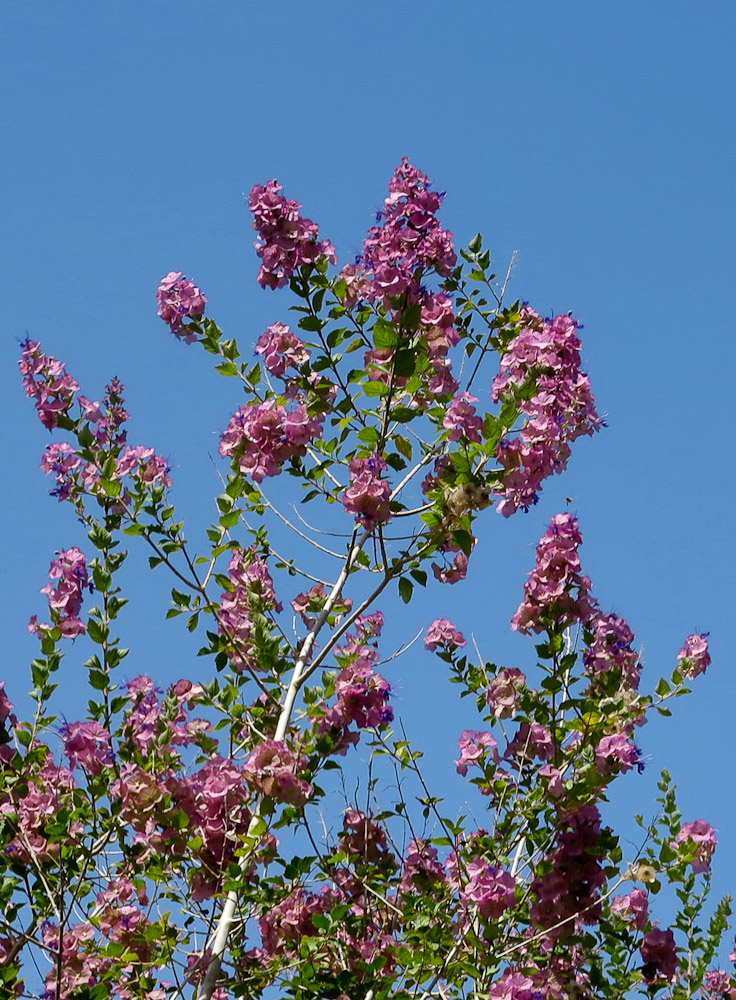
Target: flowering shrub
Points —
{"points": [[210, 840]]}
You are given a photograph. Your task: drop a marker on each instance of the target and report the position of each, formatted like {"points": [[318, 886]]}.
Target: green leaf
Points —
{"points": [[97, 632], [403, 445], [99, 680], [404, 363], [476, 243], [112, 487], [227, 368], [406, 589], [231, 519], [369, 435], [385, 336], [134, 529], [376, 389]]}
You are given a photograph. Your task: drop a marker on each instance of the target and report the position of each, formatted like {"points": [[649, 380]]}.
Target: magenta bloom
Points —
{"points": [[474, 747], [556, 587], [65, 597], [561, 410], [461, 419], [286, 240], [87, 744], [443, 633], [273, 769], [410, 239], [143, 464], [660, 955], [717, 983], [259, 439], [6, 707], [617, 753], [421, 866], [47, 382], [368, 495], [503, 692], [253, 593], [694, 658], [178, 299], [514, 986], [281, 349], [489, 887], [703, 836], [611, 649], [633, 907]]}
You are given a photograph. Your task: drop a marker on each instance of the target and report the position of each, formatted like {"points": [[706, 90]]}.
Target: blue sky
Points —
{"points": [[595, 139]]}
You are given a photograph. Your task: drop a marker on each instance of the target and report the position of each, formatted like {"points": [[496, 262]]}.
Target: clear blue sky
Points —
{"points": [[595, 138]]}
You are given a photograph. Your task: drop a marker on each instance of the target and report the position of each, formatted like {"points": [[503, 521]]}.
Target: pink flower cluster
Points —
{"points": [[634, 907], [273, 770], [74, 474], [515, 986], [286, 240], [475, 747], [281, 349], [422, 867], [252, 591], [452, 571], [47, 382], [717, 983], [694, 658], [87, 744], [65, 597], [443, 633], [561, 409], [503, 692], [368, 496], [153, 724], [310, 604], [286, 923], [532, 740], [461, 419], [617, 753], [79, 967], [365, 840], [362, 694], [144, 465], [215, 800], [6, 708], [702, 836], [569, 892], [611, 649], [489, 889], [178, 299], [659, 954], [410, 242], [47, 794], [362, 699], [556, 583], [259, 439]]}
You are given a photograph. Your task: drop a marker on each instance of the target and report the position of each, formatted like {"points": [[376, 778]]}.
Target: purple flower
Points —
{"points": [[443, 633], [693, 658], [281, 349], [556, 587], [545, 353], [65, 596], [659, 954], [368, 495], [702, 835], [47, 382], [286, 239], [633, 907], [178, 299]]}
